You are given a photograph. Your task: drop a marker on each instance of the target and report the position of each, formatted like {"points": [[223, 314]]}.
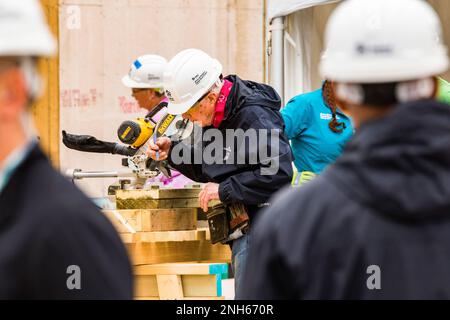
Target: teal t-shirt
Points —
{"points": [[313, 143]]}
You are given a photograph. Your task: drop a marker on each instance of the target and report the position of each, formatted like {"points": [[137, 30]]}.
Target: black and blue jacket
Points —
{"points": [[250, 105]]}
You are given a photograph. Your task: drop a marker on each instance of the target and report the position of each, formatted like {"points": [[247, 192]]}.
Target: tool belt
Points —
{"points": [[227, 222]]}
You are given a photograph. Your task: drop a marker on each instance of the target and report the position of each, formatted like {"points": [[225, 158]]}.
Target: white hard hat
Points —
{"points": [[370, 41], [189, 75], [146, 72], [23, 29]]}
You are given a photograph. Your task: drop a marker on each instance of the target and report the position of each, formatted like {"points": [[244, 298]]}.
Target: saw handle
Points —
{"points": [[154, 111]]}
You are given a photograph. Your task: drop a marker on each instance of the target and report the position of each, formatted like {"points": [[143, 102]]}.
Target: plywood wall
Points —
{"points": [[100, 38]]}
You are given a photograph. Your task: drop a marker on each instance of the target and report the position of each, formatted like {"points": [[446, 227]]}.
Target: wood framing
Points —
{"points": [[148, 220], [46, 110], [177, 251], [180, 280]]}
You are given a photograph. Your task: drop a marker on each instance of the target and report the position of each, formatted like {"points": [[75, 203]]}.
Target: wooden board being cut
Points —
{"points": [[148, 220], [150, 203], [159, 193], [159, 198]]}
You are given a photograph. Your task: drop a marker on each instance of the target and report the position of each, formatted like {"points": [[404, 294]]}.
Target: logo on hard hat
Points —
{"points": [[363, 49], [169, 95], [199, 78], [152, 77]]}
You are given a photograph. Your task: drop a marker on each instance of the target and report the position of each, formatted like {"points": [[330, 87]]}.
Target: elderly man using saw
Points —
{"points": [[223, 106]]}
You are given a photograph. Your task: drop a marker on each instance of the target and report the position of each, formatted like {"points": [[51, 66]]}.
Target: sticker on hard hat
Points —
{"points": [[169, 96], [363, 49], [153, 77], [137, 64], [199, 78]]}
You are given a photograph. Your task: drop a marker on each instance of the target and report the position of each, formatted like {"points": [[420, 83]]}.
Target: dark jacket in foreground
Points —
{"points": [[48, 225], [250, 105], [385, 203]]}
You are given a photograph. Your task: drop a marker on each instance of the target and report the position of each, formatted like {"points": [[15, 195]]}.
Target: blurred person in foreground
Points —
{"points": [[54, 243], [376, 224]]}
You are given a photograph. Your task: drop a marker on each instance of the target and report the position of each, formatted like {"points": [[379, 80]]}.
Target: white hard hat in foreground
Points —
{"points": [[189, 75], [373, 41], [23, 30], [146, 72]]}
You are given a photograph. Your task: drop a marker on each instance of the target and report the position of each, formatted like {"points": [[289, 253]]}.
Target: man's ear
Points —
{"points": [[13, 91], [213, 97]]}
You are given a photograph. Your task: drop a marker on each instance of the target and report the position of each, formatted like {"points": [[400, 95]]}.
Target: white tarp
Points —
{"points": [[281, 8], [302, 49], [303, 42]]}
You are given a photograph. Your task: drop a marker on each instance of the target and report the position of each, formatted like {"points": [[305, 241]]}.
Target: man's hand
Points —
{"points": [[162, 146], [210, 192]]}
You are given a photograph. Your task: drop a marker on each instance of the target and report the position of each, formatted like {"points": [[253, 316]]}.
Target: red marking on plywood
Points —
{"points": [[128, 106], [75, 98]]}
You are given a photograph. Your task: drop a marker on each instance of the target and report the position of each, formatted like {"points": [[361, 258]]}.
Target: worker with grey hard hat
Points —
{"points": [[54, 243], [376, 224]]}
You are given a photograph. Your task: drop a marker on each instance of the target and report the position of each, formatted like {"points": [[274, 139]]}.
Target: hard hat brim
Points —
{"points": [[178, 109], [130, 83], [43, 45]]}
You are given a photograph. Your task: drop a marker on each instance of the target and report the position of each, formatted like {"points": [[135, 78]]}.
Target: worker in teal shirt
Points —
{"points": [[318, 131]]}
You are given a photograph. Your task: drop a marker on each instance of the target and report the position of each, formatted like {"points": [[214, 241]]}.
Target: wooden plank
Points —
{"points": [[177, 286], [169, 220], [201, 285], [119, 218], [165, 252], [165, 236], [146, 286], [182, 269], [148, 220], [149, 203], [170, 287], [155, 192]]}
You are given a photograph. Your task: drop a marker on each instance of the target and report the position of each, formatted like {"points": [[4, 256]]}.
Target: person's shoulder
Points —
{"points": [[258, 117], [305, 99]]}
